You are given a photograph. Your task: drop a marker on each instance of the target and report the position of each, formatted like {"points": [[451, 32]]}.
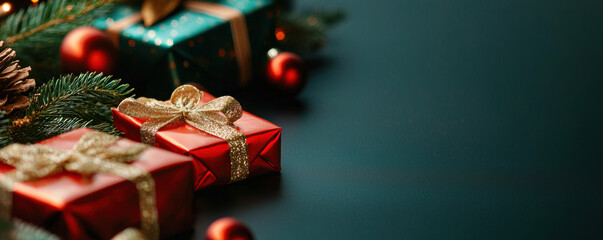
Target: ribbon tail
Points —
{"points": [[145, 185], [146, 194], [149, 129], [87, 164], [239, 157]]}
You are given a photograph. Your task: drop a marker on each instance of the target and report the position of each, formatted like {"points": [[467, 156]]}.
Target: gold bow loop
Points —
{"points": [[154, 10], [91, 154], [215, 117]]}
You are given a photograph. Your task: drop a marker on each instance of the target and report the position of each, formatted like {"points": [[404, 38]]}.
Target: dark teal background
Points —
{"points": [[431, 119]]}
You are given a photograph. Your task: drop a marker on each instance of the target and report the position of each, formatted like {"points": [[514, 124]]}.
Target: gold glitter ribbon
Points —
{"points": [[238, 28], [91, 154], [215, 117]]}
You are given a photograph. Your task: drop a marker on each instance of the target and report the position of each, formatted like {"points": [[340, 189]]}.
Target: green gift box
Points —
{"points": [[217, 44]]}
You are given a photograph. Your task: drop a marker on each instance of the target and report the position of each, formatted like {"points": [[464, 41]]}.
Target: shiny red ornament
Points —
{"points": [[286, 73], [87, 49], [228, 229]]}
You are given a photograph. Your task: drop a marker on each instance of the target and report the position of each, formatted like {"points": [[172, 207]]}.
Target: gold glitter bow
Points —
{"points": [[215, 117], [91, 154], [155, 10]]}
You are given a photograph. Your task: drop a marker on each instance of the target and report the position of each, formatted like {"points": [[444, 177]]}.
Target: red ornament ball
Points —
{"points": [[88, 49], [228, 228], [286, 73]]}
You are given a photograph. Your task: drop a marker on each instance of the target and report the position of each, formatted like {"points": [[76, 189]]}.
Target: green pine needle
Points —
{"points": [[67, 103], [37, 32]]}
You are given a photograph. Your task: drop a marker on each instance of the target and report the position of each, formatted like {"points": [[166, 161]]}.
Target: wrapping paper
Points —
{"points": [[98, 207], [212, 162]]}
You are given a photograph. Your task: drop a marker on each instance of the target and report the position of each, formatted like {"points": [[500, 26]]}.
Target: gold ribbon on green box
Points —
{"points": [[215, 117], [91, 154]]}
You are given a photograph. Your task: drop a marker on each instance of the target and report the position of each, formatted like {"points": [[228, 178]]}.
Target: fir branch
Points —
{"points": [[36, 33], [306, 31], [44, 128], [27, 30], [67, 103]]}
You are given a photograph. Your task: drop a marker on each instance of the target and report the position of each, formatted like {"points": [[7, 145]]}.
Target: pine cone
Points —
{"points": [[14, 82]]}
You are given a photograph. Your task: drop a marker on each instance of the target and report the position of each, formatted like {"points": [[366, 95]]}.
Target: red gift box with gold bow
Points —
{"points": [[232, 144], [86, 184]]}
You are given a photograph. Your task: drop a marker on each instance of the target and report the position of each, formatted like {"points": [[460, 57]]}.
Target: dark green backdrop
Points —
{"points": [[429, 119]]}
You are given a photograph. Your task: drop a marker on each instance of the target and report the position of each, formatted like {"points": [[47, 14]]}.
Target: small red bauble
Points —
{"points": [[87, 49], [286, 73], [228, 229]]}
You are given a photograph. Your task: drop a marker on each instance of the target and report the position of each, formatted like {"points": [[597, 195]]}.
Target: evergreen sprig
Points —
{"points": [[37, 32], [306, 31], [67, 103]]}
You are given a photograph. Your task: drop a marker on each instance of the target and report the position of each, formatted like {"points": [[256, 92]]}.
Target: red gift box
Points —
{"points": [[102, 205], [211, 152]]}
